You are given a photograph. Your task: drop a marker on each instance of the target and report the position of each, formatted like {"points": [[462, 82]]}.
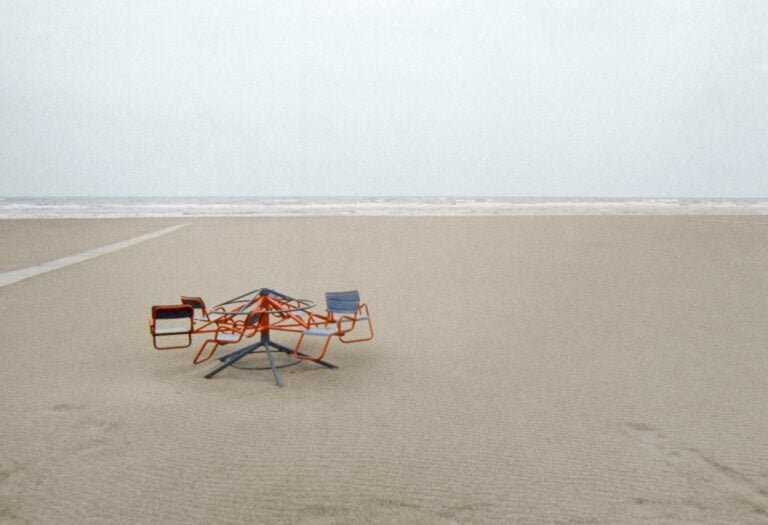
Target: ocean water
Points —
{"points": [[105, 207]]}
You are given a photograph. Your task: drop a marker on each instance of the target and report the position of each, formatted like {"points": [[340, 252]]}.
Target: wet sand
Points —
{"points": [[524, 369]]}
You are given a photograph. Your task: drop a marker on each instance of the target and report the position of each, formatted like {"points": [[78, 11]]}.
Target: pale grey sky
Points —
{"points": [[541, 98]]}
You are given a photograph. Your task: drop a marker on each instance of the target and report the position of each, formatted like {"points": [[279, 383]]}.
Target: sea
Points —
{"points": [[128, 207]]}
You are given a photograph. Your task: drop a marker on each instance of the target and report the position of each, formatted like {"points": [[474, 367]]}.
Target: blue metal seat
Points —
{"points": [[344, 312]]}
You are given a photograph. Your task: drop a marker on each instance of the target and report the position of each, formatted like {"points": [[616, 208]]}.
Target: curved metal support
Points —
{"points": [[196, 360], [305, 357], [370, 327]]}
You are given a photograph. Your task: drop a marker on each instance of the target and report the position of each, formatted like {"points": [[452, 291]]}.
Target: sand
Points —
{"points": [[524, 369]]}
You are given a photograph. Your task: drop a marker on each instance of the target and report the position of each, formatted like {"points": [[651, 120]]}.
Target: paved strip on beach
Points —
{"points": [[15, 276]]}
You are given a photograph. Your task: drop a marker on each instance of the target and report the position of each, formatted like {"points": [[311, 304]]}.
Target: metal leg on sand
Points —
{"points": [[290, 351], [234, 357], [230, 359]]}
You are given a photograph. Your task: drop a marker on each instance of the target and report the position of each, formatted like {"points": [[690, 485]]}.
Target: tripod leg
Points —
{"points": [[290, 351], [249, 348], [326, 364], [232, 358], [282, 348], [272, 364]]}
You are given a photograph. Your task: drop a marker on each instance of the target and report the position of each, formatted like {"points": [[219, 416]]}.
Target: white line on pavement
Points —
{"points": [[25, 273]]}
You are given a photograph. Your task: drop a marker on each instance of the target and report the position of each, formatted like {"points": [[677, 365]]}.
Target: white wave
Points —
{"points": [[115, 207]]}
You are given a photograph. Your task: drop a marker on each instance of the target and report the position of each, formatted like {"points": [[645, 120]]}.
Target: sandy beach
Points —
{"points": [[524, 370]]}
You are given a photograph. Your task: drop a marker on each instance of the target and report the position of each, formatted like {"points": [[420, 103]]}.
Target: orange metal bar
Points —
{"points": [[171, 311], [360, 309], [239, 328]]}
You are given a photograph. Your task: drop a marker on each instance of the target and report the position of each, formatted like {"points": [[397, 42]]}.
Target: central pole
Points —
{"points": [[263, 304]]}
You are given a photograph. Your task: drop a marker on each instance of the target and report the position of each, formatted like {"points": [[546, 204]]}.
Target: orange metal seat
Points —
{"points": [[174, 321]]}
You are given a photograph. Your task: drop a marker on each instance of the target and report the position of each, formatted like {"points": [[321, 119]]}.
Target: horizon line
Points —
{"points": [[373, 196]]}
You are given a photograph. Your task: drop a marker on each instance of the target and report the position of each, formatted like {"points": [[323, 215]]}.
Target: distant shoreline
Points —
{"points": [[159, 207]]}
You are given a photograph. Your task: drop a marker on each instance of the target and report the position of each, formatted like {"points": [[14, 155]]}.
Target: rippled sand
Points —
{"points": [[525, 369]]}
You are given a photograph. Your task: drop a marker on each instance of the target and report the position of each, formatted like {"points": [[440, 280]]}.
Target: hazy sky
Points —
{"points": [[542, 98]]}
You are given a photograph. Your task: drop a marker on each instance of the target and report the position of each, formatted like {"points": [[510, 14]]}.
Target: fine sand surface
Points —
{"points": [[524, 370]]}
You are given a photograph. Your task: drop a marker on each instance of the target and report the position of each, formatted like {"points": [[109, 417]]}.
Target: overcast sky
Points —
{"points": [[528, 98]]}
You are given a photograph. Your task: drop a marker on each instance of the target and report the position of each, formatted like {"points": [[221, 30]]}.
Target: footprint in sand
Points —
{"points": [[66, 407], [694, 465], [645, 433]]}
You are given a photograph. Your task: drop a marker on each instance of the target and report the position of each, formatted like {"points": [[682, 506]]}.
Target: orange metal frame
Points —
{"points": [[237, 329], [171, 311], [341, 331], [238, 319]]}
